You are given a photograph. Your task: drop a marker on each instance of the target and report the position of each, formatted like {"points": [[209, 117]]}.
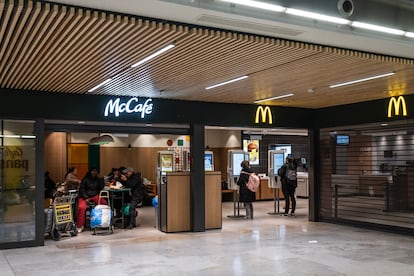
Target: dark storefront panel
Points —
{"points": [[367, 175], [17, 182]]}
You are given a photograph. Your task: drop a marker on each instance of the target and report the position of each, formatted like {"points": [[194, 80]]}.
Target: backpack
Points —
{"points": [[291, 174], [253, 182]]}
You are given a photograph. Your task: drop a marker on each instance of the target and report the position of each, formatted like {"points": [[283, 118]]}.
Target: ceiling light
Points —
{"points": [[274, 98], [99, 85], [256, 4], [361, 80], [9, 136], [409, 34], [377, 28], [157, 53], [28, 137], [226, 82], [317, 16], [101, 140]]}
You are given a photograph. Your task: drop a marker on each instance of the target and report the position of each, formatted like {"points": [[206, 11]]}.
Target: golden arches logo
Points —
{"points": [[264, 113], [397, 103]]}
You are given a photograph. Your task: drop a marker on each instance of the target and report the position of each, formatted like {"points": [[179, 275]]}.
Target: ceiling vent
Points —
{"points": [[253, 27]]}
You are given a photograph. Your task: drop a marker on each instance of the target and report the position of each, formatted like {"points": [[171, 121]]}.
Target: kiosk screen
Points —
{"points": [[278, 160], [237, 158], [208, 161]]}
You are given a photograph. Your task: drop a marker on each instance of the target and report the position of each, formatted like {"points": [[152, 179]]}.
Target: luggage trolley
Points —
{"points": [[59, 219], [101, 216]]}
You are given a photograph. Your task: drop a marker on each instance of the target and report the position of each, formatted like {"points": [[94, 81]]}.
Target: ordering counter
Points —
{"points": [[174, 213], [266, 193]]}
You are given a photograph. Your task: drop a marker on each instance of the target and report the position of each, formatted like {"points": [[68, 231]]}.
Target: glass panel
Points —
{"points": [[17, 181]]}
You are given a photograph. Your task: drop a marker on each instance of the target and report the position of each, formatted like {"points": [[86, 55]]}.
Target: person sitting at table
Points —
{"points": [[71, 180], [132, 180], [89, 190], [113, 176]]}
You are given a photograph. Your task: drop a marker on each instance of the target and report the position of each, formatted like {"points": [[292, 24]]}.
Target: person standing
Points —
{"points": [[288, 177], [132, 180], [245, 195], [89, 190]]}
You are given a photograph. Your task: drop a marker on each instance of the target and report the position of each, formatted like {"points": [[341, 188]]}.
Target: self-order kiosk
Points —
{"points": [[276, 159], [235, 157]]}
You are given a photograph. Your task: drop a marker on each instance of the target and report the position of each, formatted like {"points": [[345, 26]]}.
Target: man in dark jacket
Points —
{"points": [[89, 190], [245, 195], [289, 183], [132, 180]]}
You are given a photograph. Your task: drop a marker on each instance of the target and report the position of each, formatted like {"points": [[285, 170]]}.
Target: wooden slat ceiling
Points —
{"points": [[62, 49]]}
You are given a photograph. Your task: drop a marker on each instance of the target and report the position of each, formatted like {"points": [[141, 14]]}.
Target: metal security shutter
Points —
{"points": [[367, 175]]}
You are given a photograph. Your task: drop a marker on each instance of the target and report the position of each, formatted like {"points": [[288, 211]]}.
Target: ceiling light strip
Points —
{"points": [[317, 16], [99, 85], [274, 98], [226, 82], [409, 34], [157, 53], [361, 80], [377, 28], [257, 4], [320, 17]]}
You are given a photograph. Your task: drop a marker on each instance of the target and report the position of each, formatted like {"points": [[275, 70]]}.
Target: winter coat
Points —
{"points": [[245, 195], [135, 183], [91, 186]]}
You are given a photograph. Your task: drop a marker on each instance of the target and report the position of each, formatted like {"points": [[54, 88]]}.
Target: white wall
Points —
{"points": [[136, 140], [213, 138], [216, 138]]}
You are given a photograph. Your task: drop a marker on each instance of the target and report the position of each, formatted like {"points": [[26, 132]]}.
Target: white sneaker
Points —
{"points": [[80, 229]]}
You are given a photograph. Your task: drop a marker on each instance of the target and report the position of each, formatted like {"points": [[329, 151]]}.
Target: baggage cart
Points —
{"points": [[59, 219]]}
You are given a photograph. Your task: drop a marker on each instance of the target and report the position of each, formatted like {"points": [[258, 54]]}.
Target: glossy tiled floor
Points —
{"points": [[267, 245]]}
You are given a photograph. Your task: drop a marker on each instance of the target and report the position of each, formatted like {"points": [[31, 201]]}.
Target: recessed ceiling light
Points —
{"points": [[317, 16], [257, 4], [226, 82], [157, 53], [274, 98], [377, 28], [99, 85], [361, 80]]}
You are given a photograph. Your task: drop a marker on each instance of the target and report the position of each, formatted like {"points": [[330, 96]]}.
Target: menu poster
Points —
{"points": [[252, 147], [166, 162]]}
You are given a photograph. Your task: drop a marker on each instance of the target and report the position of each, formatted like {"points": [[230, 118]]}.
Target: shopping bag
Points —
{"points": [[101, 216]]}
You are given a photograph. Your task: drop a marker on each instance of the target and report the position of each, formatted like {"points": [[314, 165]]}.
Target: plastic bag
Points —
{"points": [[101, 216]]}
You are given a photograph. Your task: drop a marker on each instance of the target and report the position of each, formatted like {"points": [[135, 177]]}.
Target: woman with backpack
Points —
{"points": [[245, 195], [288, 177]]}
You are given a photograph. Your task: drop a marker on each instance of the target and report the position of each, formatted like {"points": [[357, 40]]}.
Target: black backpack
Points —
{"points": [[291, 174]]}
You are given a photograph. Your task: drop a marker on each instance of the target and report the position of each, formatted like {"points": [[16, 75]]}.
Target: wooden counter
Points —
{"points": [[266, 193], [175, 207], [213, 212], [174, 203]]}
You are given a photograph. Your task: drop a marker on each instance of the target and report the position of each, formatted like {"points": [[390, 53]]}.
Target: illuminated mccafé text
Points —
{"points": [[133, 105]]}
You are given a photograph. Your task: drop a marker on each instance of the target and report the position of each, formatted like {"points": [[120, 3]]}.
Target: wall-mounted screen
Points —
{"points": [[287, 149], [342, 139], [252, 147]]}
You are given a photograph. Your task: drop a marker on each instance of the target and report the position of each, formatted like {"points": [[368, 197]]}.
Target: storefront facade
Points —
{"points": [[365, 164], [24, 125]]}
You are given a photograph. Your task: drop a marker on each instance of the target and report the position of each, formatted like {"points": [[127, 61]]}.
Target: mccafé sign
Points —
{"points": [[263, 114], [397, 104], [133, 105]]}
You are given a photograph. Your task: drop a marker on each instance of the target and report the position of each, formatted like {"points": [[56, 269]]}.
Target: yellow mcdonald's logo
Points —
{"points": [[397, 104], [264, 113]]}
